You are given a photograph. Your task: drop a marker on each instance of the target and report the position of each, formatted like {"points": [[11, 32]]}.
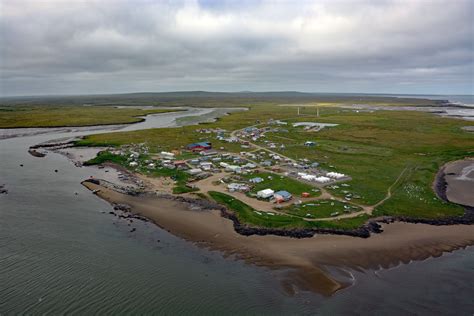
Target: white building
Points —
{"points": [[265, 194], [194, 171], [167, 155], [335, 175]]}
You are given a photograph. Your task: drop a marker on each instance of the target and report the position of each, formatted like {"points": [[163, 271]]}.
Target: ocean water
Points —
{"points": [[62, 253], [464, 99]]}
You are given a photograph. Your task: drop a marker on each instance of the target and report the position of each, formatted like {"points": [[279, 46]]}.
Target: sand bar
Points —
{"points": [[306, 258]]}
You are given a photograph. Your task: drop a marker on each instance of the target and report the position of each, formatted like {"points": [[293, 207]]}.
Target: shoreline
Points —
{"points": [[305, 258]]}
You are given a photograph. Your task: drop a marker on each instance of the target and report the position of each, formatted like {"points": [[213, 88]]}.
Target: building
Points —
{"points": [[208, 152], [310, 143], [180, 164], [282, 196], [166, 155], [194, 171], [199, 146], [234, 168], [240, 187], [265, 194], [205, 165], [256, 180], [335, 175], [249, 166]]}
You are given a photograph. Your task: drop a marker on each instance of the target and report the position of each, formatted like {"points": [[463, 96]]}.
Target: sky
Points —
{"points": [[114, 46]]}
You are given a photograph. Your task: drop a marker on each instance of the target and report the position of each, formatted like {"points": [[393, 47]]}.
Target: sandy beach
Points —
{"points": [[459, 177], [305, 259]]}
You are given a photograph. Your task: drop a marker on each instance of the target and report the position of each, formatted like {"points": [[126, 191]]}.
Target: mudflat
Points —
{"points": [[305, 259], [459, 177]]}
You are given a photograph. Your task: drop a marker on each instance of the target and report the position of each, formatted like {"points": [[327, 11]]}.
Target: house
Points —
{"points": [[194, 161], [194, 171], [335, 175], [309, 143], [224, 164], [267, 163], [282, 196], [179, 164], [265, 194], [249, 166], [241, 187], [256, 180], [322, 179], [199, 146], [305, 195], [205, 165], [133, 164], [166, 155], [234, 168], [208, 152]]}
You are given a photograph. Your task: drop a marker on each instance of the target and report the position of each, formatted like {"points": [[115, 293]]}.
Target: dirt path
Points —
{"points": [[206, 185]]}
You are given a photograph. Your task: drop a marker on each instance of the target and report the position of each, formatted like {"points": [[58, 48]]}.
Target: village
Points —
{"points": [[257, 175]]}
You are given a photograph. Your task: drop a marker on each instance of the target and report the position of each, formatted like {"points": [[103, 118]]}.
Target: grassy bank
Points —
{"points": [[49, 116], [248, 215], [179, 177]]}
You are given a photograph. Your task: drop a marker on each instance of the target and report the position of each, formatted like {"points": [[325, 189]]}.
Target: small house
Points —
{"points": [[208, 152], [240, 187], [194, 171], [267, 163], [234, 168], [166, 155], [180, 164], [282, 196], [256, 180], [199, 146], [265, 194], [205, 165], [249, 166], [310, 144]]}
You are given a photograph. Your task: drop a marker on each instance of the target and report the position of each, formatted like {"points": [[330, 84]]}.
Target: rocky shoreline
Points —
{"points": [[3, 190]]}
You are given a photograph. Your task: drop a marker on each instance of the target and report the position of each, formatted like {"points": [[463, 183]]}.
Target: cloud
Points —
{"points": [[64, 47]]}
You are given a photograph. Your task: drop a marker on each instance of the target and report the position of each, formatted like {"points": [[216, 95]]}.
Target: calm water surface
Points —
{"points": [[61, 252]]}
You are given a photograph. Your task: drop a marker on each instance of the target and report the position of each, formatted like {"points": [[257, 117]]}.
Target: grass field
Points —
{"points": [[252, 217], [320, 209], [49, 116], [278, 182]]}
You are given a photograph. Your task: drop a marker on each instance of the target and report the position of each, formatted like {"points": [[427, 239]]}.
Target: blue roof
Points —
{"points": [[200, 144], [256, 179], [283, 193]]}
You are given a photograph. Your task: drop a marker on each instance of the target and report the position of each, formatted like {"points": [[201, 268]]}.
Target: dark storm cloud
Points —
{"points": [[50, 47]]}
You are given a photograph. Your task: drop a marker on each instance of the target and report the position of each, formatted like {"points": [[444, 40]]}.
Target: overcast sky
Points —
{"points": [[114, 46]]}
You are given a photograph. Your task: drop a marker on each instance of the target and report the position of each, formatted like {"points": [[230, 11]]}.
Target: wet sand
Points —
{"points": [[304, 259], [459, 177]]}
